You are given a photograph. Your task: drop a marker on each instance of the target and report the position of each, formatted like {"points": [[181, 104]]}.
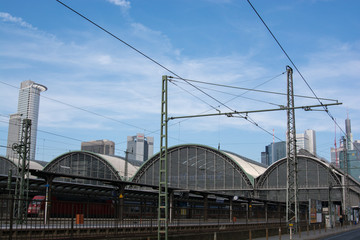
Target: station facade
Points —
{"points": [[203, 168]]}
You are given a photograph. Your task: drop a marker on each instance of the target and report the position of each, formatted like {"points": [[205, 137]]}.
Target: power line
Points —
{"points": [[194, 96], [254, 90], [79, 108], [83, 109], [55, 134], [127, 44], [236, 96], [288, 57], [296, 68], [144, 55], [241, 95]]}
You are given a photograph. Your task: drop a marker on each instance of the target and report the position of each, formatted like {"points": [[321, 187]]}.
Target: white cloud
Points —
{"points": [[6, 17], [122, 3]]}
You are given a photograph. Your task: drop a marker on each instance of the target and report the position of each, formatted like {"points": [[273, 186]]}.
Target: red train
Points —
{"points": [[69, 207]]}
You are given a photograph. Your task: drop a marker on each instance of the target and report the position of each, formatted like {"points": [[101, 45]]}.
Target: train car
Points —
{"points": [[67, 206], [36, 206]]}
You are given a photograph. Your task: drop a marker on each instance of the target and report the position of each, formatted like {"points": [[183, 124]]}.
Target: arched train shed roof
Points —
{"points": [[6, 164], [252, 168], [314, 178], [199, 167], [84, 163]]}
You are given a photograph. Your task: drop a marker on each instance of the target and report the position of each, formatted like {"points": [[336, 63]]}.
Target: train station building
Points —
{"points": [[203, 168]]}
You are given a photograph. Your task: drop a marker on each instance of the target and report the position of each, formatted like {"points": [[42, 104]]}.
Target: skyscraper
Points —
{"points": [[307, 141], [139, 147], [349, 136], [273, 152], [311, 141], [28, 108]]}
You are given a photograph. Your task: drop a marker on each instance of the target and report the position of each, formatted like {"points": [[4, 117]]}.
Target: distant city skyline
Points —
{"points": [[277, 150]]}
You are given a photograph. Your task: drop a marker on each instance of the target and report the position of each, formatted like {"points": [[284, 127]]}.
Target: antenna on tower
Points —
{"points": [[273, 135], [336, 155]]}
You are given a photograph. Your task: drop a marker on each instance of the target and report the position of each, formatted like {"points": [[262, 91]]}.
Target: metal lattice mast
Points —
{"points": [[22, 181], [346, 201], [163, 173], [292, 183]]}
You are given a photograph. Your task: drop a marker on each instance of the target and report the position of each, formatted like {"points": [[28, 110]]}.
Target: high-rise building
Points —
{"points": [[28, 108], [307, 141], [349, 137], [348, 153], [349, 145], [353, 163], [356, 145], [273, 152], [99, 146], [334, 154], [311, 141], [13, 134], [139, 147]]}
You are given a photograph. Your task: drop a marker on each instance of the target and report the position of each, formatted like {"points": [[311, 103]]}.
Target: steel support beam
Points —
{"points": [[22, 181], [163, 171], [292, 204]]}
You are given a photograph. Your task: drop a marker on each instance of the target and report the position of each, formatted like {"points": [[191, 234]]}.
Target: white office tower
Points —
{"points": [[28, 108], [311, 141], [307, 141], [139, 147]]}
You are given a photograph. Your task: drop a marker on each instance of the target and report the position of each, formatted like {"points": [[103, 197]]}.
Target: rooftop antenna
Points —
{"points": [[336, 155], [273, 135]]}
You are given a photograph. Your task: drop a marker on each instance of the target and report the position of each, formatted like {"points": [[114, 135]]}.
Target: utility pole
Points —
{"points": [[292, 183], [163, 171], [22, 181]]}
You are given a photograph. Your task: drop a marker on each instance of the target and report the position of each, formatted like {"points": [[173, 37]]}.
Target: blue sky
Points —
{"points": [[98, 88]]}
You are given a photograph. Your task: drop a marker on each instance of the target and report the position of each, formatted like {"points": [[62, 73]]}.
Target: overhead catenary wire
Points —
{"points": [[240, 95], [257, 125], [144, 55], [47, 132], [235, 95], [253, 89], [283, 50], [83, 109], [298, 71], [130, 46]]}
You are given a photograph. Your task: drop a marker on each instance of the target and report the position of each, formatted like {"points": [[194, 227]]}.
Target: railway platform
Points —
{"points": [[312, 234]]}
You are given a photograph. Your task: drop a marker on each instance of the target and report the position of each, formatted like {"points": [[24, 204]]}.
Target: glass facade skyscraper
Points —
{"points": [[139, 147], [273, 152], [28, 108]]}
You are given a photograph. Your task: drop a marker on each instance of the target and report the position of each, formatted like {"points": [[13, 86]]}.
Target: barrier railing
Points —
{"points": [[99, 218]]}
